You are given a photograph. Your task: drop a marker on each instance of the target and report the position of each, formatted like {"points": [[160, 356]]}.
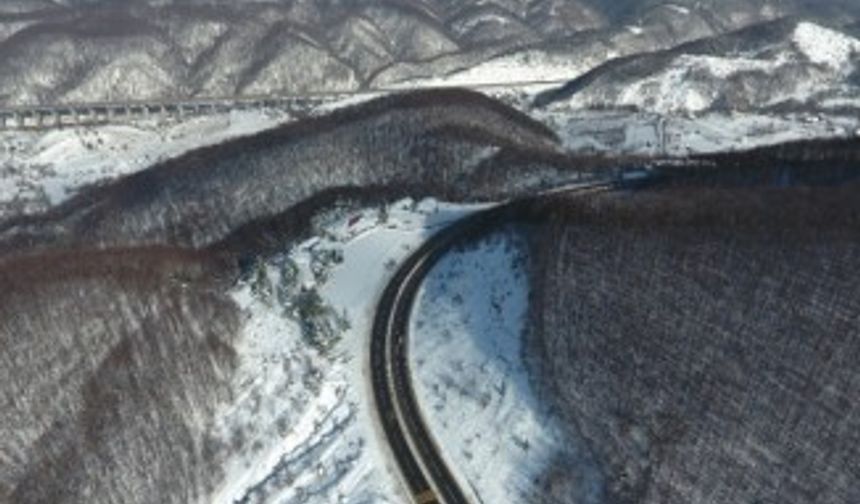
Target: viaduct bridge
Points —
{"points": [[77, 114]]}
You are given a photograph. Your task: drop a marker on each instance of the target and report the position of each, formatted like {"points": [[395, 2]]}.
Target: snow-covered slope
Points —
{"points": [[300, 421], [788, 65], [826, 47], [653, 29], [472, 383], [39, 169]]}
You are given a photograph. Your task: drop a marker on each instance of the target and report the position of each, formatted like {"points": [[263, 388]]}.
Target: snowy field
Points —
{"points": [[39, 169], [300, 426], [470, 377], [517, 69]]}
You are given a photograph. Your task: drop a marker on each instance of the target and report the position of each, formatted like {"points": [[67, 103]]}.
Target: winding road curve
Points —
{"points": [[424, 471]]}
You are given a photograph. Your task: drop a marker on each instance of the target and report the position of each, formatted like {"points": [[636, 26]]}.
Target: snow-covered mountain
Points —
{"points": [[72, 51], [186, 302], [780, 66]]}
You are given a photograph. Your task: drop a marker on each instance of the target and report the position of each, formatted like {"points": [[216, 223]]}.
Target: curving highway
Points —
{"points": [[428, 478]]}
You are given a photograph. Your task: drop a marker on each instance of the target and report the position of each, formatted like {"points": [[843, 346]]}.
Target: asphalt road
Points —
{"points": [[428, 478]]}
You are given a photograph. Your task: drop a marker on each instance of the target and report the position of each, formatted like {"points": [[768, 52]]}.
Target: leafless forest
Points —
{"points": [[678, 330], [114, 306], [113, 363], [704, 341], [430, 141]]}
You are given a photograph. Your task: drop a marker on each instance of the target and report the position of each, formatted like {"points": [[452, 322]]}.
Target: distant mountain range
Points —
{"points": [[78, 51]]}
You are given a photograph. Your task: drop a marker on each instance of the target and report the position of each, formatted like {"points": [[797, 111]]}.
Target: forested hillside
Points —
{"points": [[703, 341]]}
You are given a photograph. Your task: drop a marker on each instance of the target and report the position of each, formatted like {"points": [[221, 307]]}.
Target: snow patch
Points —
{"points": [[525, 67], [724, 67], [669, 91], [470, 379], [824, 46], [679, 9]]}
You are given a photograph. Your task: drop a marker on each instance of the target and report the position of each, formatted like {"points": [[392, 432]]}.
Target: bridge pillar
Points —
{"points": [[63, 116], [170, 110]]}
